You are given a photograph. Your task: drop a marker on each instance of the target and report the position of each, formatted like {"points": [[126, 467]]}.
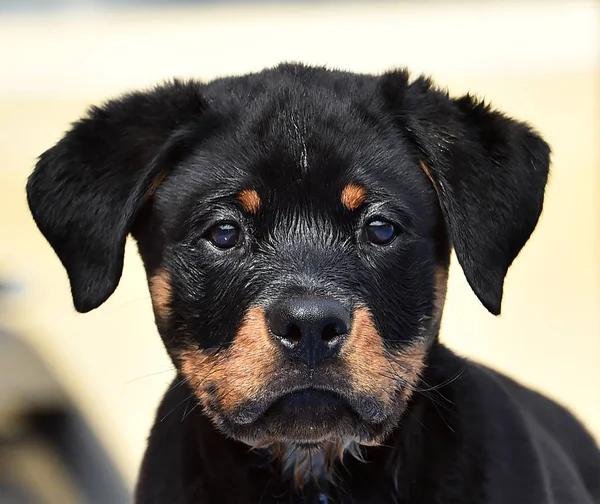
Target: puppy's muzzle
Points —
{"points": [[310, 330]]}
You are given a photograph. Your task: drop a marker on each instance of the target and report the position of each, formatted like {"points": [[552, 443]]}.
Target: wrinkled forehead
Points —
{"points": [[301, 152]]}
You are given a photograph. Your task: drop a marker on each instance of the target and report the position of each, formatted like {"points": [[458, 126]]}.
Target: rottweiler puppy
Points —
{"points": [[296, 226]]}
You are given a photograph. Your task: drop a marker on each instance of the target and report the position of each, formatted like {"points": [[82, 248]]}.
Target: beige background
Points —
{"points": [[537, 62]]}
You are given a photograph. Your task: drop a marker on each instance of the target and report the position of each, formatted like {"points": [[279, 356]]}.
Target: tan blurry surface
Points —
{"points": [[537, 63]]}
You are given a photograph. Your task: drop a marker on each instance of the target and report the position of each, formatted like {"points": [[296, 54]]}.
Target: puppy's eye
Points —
{"points": [[380, 232], [224, 235]]}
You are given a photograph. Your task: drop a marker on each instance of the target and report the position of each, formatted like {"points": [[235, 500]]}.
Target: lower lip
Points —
{"points": [[299, 402], [303, 403]]}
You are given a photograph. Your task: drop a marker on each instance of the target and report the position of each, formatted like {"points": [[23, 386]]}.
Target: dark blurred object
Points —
{"points": [[48, 454]]}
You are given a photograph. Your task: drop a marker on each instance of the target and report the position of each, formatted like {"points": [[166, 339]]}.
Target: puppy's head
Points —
{"points": [[296, 227]]}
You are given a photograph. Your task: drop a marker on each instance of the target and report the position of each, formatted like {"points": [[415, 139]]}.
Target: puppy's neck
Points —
{"points": [[301, 464]]}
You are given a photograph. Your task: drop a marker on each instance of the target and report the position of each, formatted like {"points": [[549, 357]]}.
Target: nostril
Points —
{"points": [[293, 334], [332, 331]]}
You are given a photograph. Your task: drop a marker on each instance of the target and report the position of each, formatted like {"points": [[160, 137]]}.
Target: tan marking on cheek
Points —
{"points": [[373, 369], [160, 292], [353, 196], [408, 363], [250, 200], [238, 373], [201, 368], [427, 171]]}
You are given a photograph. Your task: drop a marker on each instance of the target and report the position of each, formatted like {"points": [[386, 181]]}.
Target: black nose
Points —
{"points": [[309, 329]]}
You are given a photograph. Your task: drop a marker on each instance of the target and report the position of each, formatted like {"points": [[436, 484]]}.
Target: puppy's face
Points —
{"points": [[296, 290], [296, 227]]}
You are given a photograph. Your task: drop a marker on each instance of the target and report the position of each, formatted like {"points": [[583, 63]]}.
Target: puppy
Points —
{"points": [[296, 227]]}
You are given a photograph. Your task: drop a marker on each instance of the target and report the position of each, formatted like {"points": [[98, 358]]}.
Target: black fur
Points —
{"points": [[298, 135]]}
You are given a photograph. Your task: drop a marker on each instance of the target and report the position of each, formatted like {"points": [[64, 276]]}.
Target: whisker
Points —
{"points": [[176, 406], [129, 302], [171, 369], [187, 413]]}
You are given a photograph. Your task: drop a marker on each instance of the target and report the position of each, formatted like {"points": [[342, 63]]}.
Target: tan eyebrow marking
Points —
{"points": [[353, 196], [250, 200]]}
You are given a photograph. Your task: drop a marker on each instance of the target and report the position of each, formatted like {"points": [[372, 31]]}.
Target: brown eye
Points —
{"points": [[380, 232], [224, 235]]}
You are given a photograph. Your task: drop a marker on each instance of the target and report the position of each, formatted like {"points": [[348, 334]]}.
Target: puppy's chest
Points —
{"points": [[314, 476], [299, 466]]}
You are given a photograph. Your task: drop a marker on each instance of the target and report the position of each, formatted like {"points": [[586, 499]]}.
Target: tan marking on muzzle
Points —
{"points": [[375, 370], [250, 200], [160, 293], [238, 373], [353, 196], [364, 354]]}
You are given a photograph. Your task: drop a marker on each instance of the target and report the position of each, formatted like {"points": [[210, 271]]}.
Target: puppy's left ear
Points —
{"points": [[87, 191], [489, 171]]}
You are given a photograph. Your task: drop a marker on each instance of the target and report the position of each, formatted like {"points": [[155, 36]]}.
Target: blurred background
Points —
{"points": [[78, 392]]}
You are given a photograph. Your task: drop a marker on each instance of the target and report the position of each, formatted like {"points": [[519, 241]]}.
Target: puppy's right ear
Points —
{"points": [[87, 190], [489, 172]]}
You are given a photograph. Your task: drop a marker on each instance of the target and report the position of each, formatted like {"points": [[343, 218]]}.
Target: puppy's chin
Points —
{"points": [[309, 418]]}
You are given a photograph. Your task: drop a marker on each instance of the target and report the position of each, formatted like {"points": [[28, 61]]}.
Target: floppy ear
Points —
{"points": [[86, 191], [489, 171]]}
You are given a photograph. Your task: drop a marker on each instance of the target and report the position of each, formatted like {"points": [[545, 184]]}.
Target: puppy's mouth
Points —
{"points": [[308, 405], [307, 416]]}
